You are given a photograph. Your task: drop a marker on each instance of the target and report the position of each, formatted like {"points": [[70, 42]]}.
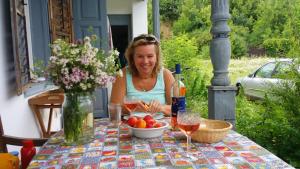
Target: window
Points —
{"points": [[20, 46], [60, 16], [266, 71], [59, 25], [282, 70]]}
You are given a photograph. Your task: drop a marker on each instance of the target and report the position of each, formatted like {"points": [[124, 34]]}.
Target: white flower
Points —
{"points": [[81, 67], [83, 86], [87, 39], [56, 49], [120, 73]]}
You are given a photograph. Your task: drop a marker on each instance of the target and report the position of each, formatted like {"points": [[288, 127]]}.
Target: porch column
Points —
{"points": [[221, 96], [156, 22]]}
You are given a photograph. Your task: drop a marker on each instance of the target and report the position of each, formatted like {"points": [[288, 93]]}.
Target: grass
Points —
{"points": [[237, 67]]}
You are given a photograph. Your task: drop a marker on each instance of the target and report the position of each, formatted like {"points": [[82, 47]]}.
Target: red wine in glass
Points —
{"points": [[187, 128], [188, 122], [131, 106]]}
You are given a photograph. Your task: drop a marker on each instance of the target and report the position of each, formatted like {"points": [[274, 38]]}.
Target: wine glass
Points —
{"points": [[130, 104], [188, 122]]}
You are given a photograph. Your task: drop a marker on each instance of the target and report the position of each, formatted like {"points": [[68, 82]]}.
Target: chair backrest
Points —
{"points": [[17, 141]]}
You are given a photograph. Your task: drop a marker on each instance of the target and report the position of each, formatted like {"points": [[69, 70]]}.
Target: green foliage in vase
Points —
{"points": [[74, 115]]}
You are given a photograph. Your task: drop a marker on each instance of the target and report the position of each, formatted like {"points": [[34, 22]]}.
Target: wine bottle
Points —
{"points": [[178, 96]]}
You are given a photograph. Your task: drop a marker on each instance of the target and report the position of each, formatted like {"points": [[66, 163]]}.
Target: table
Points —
{"points": [[113, 148]]}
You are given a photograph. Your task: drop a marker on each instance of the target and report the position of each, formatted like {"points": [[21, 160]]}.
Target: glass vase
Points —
{"points": [[78, 119]]}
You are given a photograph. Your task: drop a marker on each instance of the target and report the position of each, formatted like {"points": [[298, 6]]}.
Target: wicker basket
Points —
{"points": [[211, 131]]}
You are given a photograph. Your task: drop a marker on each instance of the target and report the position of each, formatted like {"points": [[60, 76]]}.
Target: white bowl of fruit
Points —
{"points": [[146, 127]]}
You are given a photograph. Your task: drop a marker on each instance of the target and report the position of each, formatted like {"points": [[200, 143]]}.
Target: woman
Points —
{"points": [[144, 78]]}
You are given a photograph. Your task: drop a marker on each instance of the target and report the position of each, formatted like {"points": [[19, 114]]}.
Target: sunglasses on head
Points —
{"points": [[148, 38]]}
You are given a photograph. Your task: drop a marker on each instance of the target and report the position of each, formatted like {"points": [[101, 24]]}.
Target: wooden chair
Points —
{"points": [[17, 141], [48, 100]]}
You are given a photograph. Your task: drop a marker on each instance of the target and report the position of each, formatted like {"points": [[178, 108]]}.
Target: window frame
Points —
{"points": [[16, 14]]}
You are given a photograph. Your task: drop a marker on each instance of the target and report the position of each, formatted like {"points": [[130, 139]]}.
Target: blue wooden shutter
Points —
{"points": [[92, 14], [20, 47]]}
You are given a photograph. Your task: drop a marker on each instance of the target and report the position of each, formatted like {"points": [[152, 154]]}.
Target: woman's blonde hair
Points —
{"points": [[142, 40]]}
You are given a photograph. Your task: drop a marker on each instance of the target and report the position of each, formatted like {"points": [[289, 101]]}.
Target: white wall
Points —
{"points": [[119, 6], [17, 118], [139, 18], [137, 9]]}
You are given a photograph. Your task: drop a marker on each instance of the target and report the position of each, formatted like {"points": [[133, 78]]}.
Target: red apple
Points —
{"points": [[149, 125], [132, 121], [150, 122], [147, 117]]}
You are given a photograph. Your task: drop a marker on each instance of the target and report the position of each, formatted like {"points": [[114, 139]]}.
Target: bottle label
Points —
{"points": [[178, 104]]}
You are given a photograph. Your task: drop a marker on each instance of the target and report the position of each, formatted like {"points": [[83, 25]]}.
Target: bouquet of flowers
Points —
{"points": [[81, 67], [78, 69]]}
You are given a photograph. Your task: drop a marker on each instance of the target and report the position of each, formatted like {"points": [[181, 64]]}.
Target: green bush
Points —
{"points": [[170, 9], [274, 123], [238, 38], [277, 47], [180, 49]]}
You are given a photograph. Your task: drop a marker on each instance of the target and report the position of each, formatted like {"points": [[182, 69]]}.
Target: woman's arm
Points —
{"points": [[119, 90], [169, 80]]}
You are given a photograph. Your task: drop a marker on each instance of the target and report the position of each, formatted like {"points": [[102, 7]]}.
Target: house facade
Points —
{"points": [[43, 21]]}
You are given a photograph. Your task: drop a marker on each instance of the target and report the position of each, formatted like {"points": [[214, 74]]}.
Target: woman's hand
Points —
{"points": [[142, 107], [155, 106]]}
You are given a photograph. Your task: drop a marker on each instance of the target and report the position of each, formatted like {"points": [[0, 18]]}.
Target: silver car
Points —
{"points": [[258, 84]]}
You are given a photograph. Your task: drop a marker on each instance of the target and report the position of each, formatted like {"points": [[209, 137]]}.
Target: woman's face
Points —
{"points": [[145, 59]]}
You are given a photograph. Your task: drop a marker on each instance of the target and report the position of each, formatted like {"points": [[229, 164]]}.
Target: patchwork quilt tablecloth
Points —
{"points": [[113, 148]]}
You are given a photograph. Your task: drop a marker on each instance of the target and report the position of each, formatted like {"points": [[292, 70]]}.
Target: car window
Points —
{"points": [[282, 69], [265, 71]]}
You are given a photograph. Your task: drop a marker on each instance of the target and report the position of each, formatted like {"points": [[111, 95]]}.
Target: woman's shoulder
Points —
{"points": [[168, 76], [167, 72]]}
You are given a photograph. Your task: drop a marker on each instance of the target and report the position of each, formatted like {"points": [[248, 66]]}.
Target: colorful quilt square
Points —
{"points": [[145, 163], [75, 155], [224, 166], [229, 154], [126, 164], [89, 166], [145, 155], [54, 162], [222, 148], [204, 166], [211, 154], [109, 153], [181, 162], [201, 161], [72, 161], [126, 152], [108, 165], [158, 150], [107, 148], [217, 160], [90, 160], [93, 154], [37, 164], [156, 145], [70, 166]]}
